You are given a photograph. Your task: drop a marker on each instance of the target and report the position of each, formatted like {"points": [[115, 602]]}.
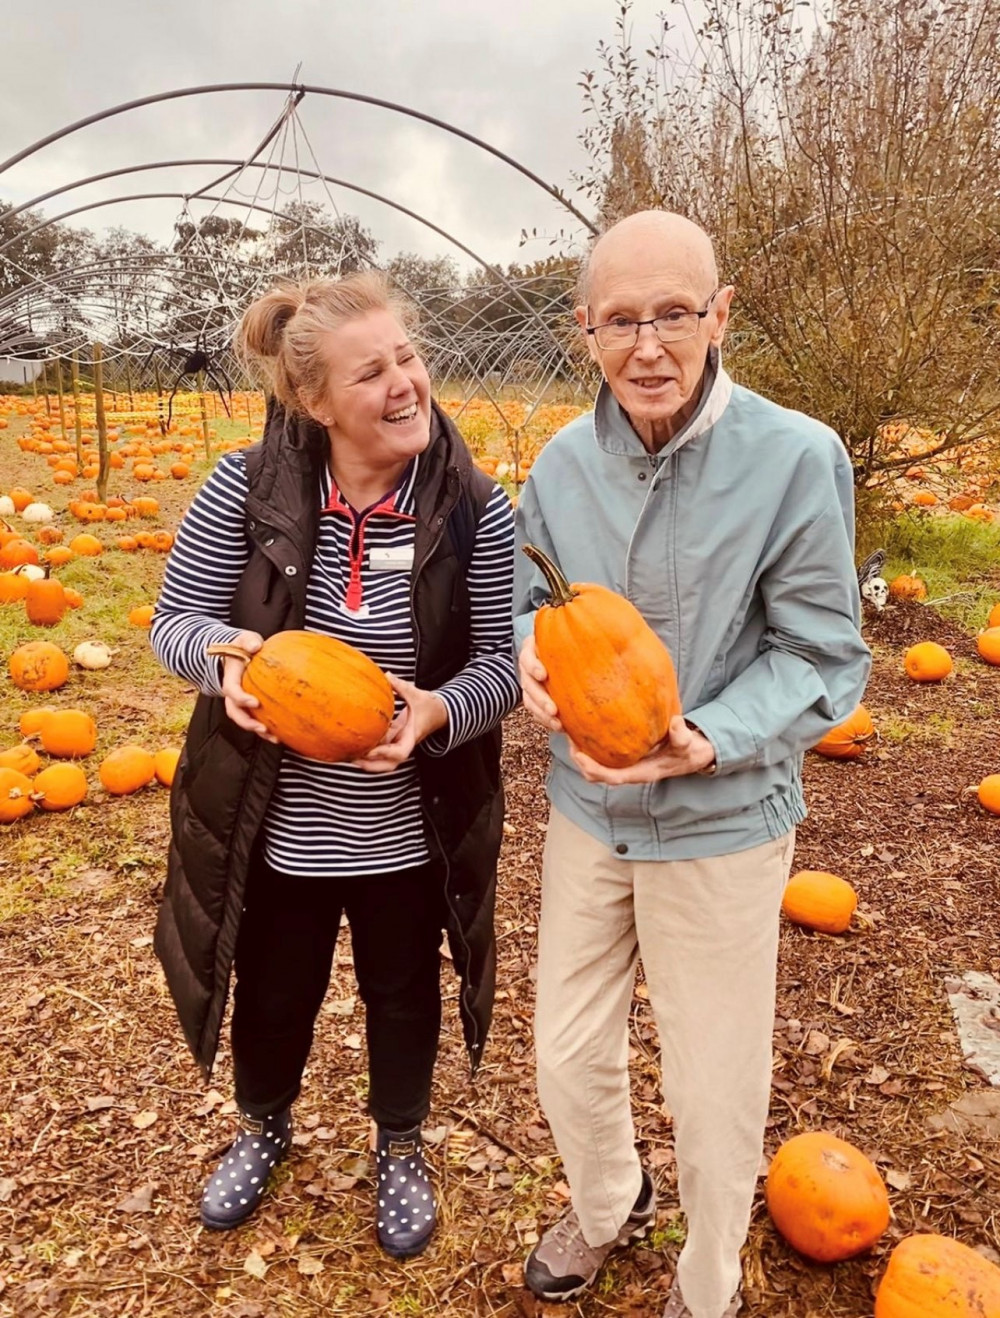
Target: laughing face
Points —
{"points": [[657, 384], [377, 403]]}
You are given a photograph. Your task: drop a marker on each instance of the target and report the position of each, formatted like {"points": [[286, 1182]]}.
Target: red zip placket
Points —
{"points": [[386, 506]]}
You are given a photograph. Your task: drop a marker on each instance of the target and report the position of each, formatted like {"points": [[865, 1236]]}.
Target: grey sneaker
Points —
{"points": [[676, 1308], [562, 1264]]}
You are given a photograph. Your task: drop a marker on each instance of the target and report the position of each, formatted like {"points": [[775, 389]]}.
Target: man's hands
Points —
{"points": [[684, 750], [424, 713], [240, 705]]}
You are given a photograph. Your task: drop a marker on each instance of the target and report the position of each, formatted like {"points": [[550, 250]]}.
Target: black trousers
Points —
{"points": [[284, 955]]}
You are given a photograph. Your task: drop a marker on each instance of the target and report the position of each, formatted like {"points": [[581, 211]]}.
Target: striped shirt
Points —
{"points": [[337, 819]]}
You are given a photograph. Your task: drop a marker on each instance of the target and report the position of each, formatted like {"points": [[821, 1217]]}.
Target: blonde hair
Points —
{"points": [[281, 336]]}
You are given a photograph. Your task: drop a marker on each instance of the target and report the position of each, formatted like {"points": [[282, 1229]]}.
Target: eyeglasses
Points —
{"points": [[620, 332]]}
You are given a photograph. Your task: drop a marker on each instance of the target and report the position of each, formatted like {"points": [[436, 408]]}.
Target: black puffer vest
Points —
{"points": [[226, 776]]}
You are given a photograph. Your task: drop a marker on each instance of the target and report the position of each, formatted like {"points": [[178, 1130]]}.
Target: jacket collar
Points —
{"points": [[614, 432]]}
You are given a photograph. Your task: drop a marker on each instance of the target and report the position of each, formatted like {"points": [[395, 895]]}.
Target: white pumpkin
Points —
{"points": [[92, 654], [7, 508], [31, 570], [37, 512]]}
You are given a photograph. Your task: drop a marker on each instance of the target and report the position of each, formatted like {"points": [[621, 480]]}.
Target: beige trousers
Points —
{"points": [[707, 932]]}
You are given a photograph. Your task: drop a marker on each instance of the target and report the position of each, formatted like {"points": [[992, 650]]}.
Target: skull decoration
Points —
{"points": [[873, 586]]}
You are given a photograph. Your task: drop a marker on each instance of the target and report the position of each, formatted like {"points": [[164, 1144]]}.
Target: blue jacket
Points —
{"points": [[735, 542]]}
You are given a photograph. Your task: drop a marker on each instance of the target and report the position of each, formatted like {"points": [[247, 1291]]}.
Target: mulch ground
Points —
{"points": [[107, 1133]]}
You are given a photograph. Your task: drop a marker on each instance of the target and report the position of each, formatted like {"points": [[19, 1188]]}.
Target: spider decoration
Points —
{"points": [[871, 582], [191, 361]]}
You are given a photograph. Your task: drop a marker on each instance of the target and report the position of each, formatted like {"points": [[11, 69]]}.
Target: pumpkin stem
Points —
{"points": [[230, 651], [558, 585]]}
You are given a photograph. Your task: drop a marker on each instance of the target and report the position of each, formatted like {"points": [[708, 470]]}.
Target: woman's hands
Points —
{"points": [[239, 705], [424, 712]]}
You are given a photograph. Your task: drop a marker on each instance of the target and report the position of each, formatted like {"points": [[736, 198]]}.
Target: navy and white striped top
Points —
{"points": [[337, 819]]}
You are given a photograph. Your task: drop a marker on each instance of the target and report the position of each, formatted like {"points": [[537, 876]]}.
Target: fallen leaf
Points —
{"points": [[99, 1102], [342, 1006], [309, 1266], [143, 1120], [356, 1167], [7, 1187], [878, 1075], [211, 1100], [255, 1265], [144, 941], [898, 1180], [513, 1274], [139, 1201], [353, 1041], [816, 1043]]}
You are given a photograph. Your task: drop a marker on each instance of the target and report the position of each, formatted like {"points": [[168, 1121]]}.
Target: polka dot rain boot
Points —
{"points": [[236, 1187], [404, 1199]]}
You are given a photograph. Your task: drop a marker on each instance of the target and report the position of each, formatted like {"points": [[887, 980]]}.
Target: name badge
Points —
{"points": [[391, 560]]}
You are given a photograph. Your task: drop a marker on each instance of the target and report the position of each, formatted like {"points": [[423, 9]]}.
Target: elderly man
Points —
{"points": [[728, 521]]}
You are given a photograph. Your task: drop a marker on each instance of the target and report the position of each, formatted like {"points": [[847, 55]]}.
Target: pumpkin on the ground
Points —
{"points": [[60, 787], [85, 544], [988, 645], [32, 719], [126, 769], [15, 796], [317, 695], [819, 900], [927, 662], [994, 619], [141, 615], [38, 666], [907, 587], [932, 1276], [13, 587], [166, 764], [609, 675], [45, 601], [68, 733], [825, 1197], [23, 758], [847, 741], [988, 793]]}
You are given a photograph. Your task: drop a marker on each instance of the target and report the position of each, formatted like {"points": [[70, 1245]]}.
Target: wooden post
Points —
{"points": [[204, 413], [102, 427], [62, 400], [128, 384], [34, 387], [76, 405], [45, 386], [246, 399], [159, 397]]}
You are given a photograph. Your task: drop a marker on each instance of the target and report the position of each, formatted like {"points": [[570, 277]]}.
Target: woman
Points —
{"points": [[360, 515]]}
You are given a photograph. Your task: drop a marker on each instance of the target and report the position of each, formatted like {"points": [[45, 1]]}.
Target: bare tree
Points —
{"points": [[849, 170]]}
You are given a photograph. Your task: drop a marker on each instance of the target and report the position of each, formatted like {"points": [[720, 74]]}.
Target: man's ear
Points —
{"points": [[582, 319], [721, 305]]}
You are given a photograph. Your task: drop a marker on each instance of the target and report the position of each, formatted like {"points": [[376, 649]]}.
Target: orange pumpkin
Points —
{"points": [[31, 720], [50, 535], [126, 770], [128, 543], [13, 587], [931, 1276], [21, 497], [179, 470], [68, 733], [86, 545], [60, 787], [609, 674], [59, 556], [15, 796], [17, 552], [994, 619], [163, 541], [38, 666], [988, 793], [141, 615], [23, 758], [825, 1197], [927, 662], [908, 588], [73, 598], [819, 900], [317, 695], [165, 762], [988, 645], [45, 602], [847, 741]]}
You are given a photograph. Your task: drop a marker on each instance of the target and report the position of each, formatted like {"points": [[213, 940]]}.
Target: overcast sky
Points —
{"points": [[506, 71]]}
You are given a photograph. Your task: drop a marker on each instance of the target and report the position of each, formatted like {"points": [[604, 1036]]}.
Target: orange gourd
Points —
{"points": [[60, 787], [45, 602], [988, 793], [73, 598], [165, 764], [13, 587], [126, 770], [994, 619], [988, 645], [825, 1197], [50, 535], [847, 741], [931, 1276], [21, 497], [141, 615], [15, 796], [31, 720], [128, 543], [23, 758], [59, 556], [908, 588], [819, 900], [609, 674], [317, 695], [68, 733], [927, 662], [38, 666], [925, 498], [17, 552]]}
